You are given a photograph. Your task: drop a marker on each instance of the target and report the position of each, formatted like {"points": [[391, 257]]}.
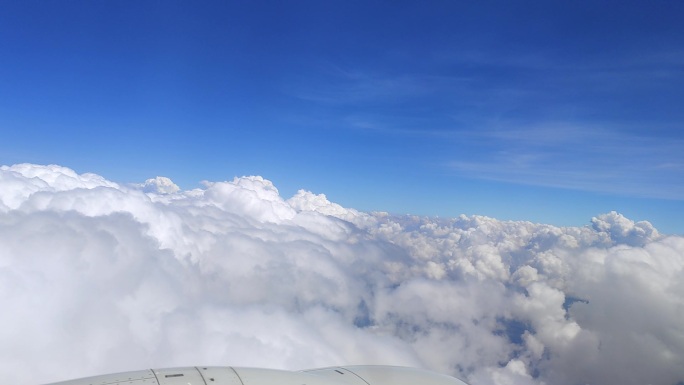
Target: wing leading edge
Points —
{"points": [[227, 375]]}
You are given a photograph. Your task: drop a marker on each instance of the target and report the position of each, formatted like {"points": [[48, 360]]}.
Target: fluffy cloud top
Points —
{"points": [[98, 277]]}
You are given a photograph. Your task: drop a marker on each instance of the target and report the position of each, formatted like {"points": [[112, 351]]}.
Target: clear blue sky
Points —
{"points": [[534, 110]]}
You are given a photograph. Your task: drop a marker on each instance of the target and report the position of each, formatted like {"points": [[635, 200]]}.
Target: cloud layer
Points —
{"points": [[98, 277]]}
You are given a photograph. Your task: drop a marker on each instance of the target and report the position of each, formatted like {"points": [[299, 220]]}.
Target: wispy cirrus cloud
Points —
{"points": [[351, 88], [578, 157]]}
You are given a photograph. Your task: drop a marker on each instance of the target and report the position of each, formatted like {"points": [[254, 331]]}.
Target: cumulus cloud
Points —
{"points": [[98, 277], [159, 185]]}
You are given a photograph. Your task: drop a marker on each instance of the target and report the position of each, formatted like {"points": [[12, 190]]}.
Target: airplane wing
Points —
{"points": [[226, 375]]}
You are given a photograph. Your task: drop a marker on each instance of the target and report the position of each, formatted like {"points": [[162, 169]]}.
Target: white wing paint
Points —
{"points": [[226, 375]]}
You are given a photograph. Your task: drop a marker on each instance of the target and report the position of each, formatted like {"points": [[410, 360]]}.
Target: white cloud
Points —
{"points": [[97, 277], [624, 230], [159, 185]]}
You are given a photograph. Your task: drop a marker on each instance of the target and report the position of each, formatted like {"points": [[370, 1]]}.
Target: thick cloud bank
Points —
{"points": [[99, 277]]}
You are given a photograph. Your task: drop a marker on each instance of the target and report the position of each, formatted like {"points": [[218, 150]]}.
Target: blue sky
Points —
{"points": [[531, 110]]}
